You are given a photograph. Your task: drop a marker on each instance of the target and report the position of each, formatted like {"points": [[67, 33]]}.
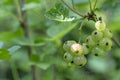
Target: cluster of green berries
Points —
{"points": [[98, 43], [74, 53]]}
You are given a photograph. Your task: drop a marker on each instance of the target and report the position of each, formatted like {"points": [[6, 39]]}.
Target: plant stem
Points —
{"points": [[27, 35], [18, 10], [80, 29], [90, 6], [95, 4], [14, 70], [25, 27], [73, 4], [72, 9], [54, 72]]}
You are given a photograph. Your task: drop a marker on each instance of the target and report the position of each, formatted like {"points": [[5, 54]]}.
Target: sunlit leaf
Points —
{"points": [[13, 49], [34, 58], [59, 13], [43, 66], [30, 6], [4, 54]]}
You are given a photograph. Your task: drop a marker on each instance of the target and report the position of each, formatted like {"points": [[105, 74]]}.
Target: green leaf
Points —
{"points": [[58, 31], [30, 6], [27, 42], [13, 49], [4, 54], [43, 66], [59, 13], [9, 36], [35, 58]]}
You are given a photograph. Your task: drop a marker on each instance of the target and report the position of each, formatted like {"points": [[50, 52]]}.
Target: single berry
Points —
{"points": [[85, 49], [100, 25], [68, 57], [67, 44], [80, 61], [97, 35], [76, 49], [107, 33], [90, 42], [105, 44], [97, 51]]}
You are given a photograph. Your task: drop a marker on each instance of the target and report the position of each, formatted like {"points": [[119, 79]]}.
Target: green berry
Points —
{"points": [[68, 57], [97, 51], [100, 25], [97, 35], [76, 49], [80, 61], [107, 33], [90, 42], [67, 44], [105, 44], [85, 49]]}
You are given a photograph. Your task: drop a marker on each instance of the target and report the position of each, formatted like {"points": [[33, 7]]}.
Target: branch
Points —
{"points": [[72, 9], [116, 41], [25, 27], [18, 10], [90, 6]]}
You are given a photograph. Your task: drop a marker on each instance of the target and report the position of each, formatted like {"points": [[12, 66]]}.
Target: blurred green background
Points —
{"points": [[47, 37]]}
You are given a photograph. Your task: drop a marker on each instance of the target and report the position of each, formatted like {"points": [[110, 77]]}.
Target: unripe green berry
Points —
{"points": [[97, 51], [100, 25], [67, 44], [76, 49], [85, 49], [105, 44], [68, 57], [107, 33], [90, 42], [97, 35], [80, 61]]}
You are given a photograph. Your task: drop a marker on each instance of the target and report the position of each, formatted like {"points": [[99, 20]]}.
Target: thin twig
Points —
{"points": [[95, 5], [18, 10], [80, 29], [14, 70], [90, 5], [72, 9], [24, 25], [73, 4], [116, 41]]}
